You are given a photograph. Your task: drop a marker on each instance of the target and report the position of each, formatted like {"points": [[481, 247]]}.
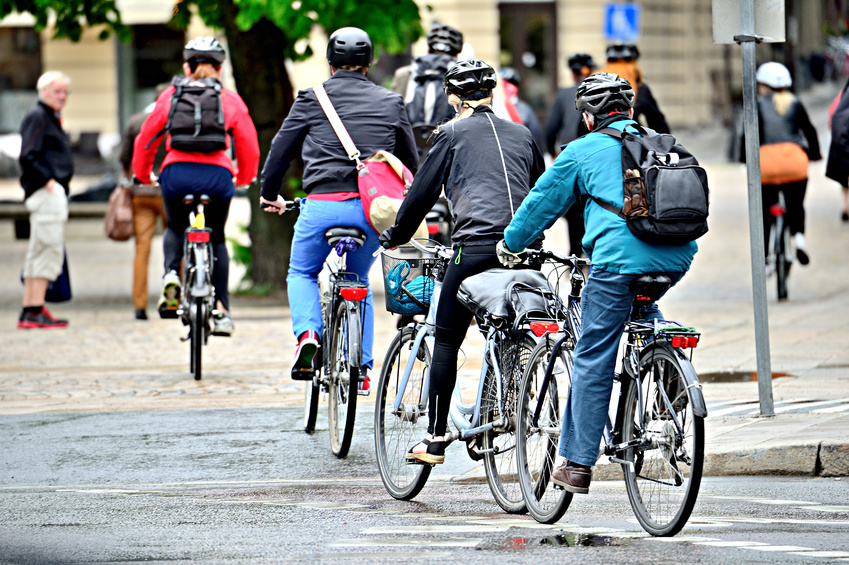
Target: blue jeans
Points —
{"points": [[606, 306], [310, 248]]}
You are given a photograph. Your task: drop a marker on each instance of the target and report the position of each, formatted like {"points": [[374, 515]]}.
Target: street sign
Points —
{"points": [[621, 22], [769, 20]]}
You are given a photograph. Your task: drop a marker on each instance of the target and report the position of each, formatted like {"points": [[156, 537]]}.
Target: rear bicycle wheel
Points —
{"points": [[663, 483], [536, 445], [782, 264], [397, 429], [499, 443], [197, 318], [345, 359]]}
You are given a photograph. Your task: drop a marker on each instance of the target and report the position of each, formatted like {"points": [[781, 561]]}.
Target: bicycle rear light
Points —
{"points": [[539, 329], [776, 210], [643, 298], [198, 236], [354, 294], [432, 228], [684, 341]]}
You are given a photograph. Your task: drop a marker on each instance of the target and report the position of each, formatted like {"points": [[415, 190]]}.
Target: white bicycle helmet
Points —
{"points": [[774, 75]]}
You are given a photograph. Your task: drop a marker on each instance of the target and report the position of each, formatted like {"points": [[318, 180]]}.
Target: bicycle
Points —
{"points": [[779, 256], [657, 435], [337, 364], [197, 295], [487, 425]]}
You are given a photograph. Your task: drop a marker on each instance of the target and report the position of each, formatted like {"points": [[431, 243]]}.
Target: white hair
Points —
{"points": [[49, 78]]}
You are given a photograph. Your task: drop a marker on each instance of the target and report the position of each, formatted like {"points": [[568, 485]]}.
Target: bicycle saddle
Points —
{"points": [[333, 235], [651, 284]]}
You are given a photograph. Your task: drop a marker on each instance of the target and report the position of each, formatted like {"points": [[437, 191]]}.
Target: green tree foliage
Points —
{"points": [[70, 16]]}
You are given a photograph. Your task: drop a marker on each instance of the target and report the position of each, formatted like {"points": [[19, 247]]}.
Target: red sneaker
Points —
{"points": [[40, 321], [364, 387], [305, 350]]}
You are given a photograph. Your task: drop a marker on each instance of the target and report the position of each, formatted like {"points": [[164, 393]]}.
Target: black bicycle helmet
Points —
{"points": [[627, 51], [204, 49], [444, 39], [602, 93], [349, 46], [580, 60], [510, 75], [470, 80]]}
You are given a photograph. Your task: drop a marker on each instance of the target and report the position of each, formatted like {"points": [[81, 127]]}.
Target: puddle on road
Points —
{"points": [[558, 540], [735, 376]]}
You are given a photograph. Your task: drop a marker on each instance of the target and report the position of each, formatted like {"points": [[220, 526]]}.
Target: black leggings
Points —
{"points": [[452, 323], [216, 213], [794, 198]]}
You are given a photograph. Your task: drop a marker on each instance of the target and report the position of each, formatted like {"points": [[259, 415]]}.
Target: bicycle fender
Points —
{"points": [[201, 286], [693, 384]]}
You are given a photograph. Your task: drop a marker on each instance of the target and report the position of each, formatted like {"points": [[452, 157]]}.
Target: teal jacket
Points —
{"points": [[593, 165]]}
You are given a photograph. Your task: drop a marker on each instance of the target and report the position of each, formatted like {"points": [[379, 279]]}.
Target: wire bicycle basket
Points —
{"points": [[408, 280]]}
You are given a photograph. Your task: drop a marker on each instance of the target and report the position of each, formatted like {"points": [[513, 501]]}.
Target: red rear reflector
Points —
{"points": [[354, 294], [776, 210], [642, 298], [693, 341], [539, 329], [432, 228], [198, 236], [679, 341]]}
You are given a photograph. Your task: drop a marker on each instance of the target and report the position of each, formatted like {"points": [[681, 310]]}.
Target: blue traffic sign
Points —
{"points": [[621, 22]]}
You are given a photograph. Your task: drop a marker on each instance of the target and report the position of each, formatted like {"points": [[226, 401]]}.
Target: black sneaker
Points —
{"points": [[31, 321]]}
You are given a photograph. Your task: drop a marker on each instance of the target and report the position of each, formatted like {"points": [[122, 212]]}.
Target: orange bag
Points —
{"points": [[783, 163]]}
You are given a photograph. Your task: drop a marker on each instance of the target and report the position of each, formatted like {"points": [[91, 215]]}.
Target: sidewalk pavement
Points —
{"points": [[107, 361]]}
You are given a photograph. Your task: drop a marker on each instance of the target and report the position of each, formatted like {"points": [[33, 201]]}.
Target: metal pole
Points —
{"points": [[748, 40]]}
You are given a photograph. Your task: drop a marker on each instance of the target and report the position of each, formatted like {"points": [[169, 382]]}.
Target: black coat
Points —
{"points": [[466, 161], [374, 117], [45, 150], [837, 167]]}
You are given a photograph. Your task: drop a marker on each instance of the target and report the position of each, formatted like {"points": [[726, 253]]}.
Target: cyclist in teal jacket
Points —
{"points": [[591, 165]]}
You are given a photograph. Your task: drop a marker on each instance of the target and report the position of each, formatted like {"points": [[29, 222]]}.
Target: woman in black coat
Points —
{"points": [[837, 167]]}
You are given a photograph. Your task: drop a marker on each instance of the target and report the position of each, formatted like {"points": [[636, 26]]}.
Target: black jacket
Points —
{"points": [[374, 117], [465, 159], [564, 121], [837, 167], [45, 150], [793, 126], [645, 106]]}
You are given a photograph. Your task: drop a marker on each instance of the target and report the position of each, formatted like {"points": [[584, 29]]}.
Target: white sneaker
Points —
{"points": [[169, 300], [770, 270], [801, 248], [222, 325]]}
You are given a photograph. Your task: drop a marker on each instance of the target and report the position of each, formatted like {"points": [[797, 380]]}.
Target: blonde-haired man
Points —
{"points": [[46, 169]]}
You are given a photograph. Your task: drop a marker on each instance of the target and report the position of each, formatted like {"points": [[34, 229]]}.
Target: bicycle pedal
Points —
{"points": [[299, 374]]}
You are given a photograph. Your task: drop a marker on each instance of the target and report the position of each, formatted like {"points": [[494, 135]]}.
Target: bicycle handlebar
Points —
{"points": [[293, 205], [573, 260]]}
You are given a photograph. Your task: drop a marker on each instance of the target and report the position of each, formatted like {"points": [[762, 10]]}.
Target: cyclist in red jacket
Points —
{"points": [[209, 172]]}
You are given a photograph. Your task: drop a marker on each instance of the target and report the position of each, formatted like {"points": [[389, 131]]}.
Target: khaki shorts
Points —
{"points": [[48, 212]]}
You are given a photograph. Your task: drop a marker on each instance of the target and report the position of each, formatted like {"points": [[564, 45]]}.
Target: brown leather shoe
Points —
{"points": [[573, 479]]}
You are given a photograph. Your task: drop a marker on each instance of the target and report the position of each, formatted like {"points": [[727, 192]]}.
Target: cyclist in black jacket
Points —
{"points": [[487, 166], [376, 120]]}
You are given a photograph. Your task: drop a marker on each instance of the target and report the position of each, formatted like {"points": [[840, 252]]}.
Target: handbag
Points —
{"points": [[783, 163], [382, 180], [58, 290], [118, 222]]}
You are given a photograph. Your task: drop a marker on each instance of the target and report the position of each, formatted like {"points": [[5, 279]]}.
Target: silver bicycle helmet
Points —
{"points": [[444, 39], [204, 49], [627, 51], [774, 75], [602, 93]]}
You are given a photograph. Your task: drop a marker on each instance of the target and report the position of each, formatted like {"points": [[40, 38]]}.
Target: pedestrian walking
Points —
{"points": [[47, 166], [837, 167], [147, 206]]}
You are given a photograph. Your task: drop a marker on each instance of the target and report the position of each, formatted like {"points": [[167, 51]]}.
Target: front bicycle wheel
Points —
{"points": [[782, 264], [536, 444], [345, 358], [664, 471], [197, 317], [396, 429], [499, 443]]}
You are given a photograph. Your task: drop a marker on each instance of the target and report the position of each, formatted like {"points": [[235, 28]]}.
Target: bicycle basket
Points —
{"points": [[407, 281]]}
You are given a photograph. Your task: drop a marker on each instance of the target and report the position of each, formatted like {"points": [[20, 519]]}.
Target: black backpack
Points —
{"points": [[196, 120], [427, 106], [665, 191]]}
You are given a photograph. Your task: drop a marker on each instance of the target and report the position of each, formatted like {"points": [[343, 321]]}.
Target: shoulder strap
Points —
{"points": [[609, 207], [337, 124], [178, 90]]}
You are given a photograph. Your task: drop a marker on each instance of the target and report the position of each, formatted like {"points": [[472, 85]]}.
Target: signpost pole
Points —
{"points": [[748, 40]]}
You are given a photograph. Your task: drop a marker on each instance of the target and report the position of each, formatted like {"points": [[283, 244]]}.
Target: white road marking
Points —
{"points": [[374, 555], [829, 554], [781, 548], [446, 529], [730, 543], [429, 542]]}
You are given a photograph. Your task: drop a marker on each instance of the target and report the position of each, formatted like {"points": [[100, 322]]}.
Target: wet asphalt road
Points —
{"points": [[247, 486]]}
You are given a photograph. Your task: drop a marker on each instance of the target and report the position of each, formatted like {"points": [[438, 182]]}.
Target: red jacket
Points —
{"points": [[236, 121]]}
